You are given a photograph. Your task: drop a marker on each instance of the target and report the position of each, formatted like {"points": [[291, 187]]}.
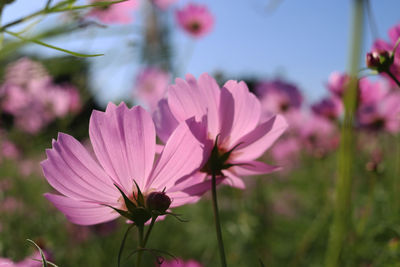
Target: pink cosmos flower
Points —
{"points": [[180, 263], [337, 83], [151, 84], [164, 4], [120, 13], [229, 124], [330, 108], [196, 20], [124, 142], [278, 96]]}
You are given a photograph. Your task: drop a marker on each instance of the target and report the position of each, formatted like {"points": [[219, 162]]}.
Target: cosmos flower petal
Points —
{"points": [[247, 110], [83, 213], [255, 143], [254, 168], [182, 155], [186, 101], [210, 89], [233, 180], [226, 113], [164, 120], [73, 172], [124, 142]]}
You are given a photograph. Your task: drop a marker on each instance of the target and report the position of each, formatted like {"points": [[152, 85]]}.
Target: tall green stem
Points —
{"points": [[217, 221], [342, 205]]}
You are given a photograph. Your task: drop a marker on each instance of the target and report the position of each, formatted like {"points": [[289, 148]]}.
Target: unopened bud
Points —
{"points": [[380, 60], [158, 201]]}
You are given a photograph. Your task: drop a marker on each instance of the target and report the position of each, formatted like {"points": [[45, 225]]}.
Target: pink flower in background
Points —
{"points": [[286, 151], [164, 4], [124, 142], [318, 135], [337, 83], [120, 13], [372, 92], [278, 96], [196, 20], [180, 263], [230, 115], [330, 108], [23, 71], [35, 260], [29, 94], [381, 115], [150, 86]]}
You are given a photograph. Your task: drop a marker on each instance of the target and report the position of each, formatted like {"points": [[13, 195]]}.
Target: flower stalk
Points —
{"points": [[342, 205], [217, 220]]}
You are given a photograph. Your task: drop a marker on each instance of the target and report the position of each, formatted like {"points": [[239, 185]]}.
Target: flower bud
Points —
{"points": [[158, 201], [379, 60]]}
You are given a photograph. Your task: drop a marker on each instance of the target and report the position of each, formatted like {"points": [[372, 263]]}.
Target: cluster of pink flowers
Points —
{"points": [[200, 125], [32, 98]]}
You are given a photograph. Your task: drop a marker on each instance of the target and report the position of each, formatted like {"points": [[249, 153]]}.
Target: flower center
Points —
{"points": [[194, 26]]}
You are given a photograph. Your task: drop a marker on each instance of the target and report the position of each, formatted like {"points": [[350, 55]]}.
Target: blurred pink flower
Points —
{"points": [[231, 116], [372, 92], [23, 71], [180, 263], [286, 151], [35, 260], [164, 4], [150, 86], [120, 13], [318, 135], [330, 108], [124, 142], [337, 83], [29, 94], [11, 204], [381, 115], [278, 96], [195, 19]]}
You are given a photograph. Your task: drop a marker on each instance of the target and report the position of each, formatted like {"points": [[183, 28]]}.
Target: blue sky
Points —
{"points": [[302, 41]]}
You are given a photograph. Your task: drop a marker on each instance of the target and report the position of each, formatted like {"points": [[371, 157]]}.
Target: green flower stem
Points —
{"points": [[141, 245], [342, 200], [153, 220], [217, 220], [393, 77]]}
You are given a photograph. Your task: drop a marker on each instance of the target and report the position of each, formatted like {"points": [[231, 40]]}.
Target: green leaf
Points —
{"points": [[95, 4], [50, 46], [128, 203]]}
